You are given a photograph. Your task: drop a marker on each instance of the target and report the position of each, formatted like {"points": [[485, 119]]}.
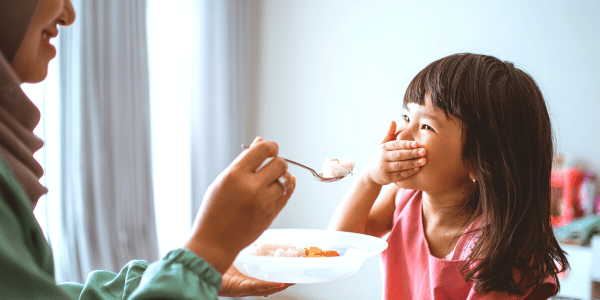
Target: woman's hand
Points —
{"points": [[394, 160], [236, 284], [240, 204]]}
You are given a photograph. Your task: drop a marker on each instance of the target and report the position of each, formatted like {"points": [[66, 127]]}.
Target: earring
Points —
{"points": [[474, 180]]}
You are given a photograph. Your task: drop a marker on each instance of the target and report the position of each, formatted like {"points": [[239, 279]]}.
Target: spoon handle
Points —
{"points": [[301, 165], [291, 162]]}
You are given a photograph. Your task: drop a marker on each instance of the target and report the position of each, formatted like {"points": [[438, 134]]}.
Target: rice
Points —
{"points": [[276, 249], [337, 168], [287, 250]]}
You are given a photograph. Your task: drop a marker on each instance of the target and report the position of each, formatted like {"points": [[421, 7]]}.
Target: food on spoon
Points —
{"points": [[337, 168], [287, 250]]}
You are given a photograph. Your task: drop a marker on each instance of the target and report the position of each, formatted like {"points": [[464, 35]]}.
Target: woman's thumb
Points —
{"points": [[257, 140]]}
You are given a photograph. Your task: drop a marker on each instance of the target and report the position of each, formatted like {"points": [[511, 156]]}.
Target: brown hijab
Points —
{"points": [[18, 115]]}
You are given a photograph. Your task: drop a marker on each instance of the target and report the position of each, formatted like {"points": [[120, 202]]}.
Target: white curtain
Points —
{"points": [[106, 198], [224, 104]]}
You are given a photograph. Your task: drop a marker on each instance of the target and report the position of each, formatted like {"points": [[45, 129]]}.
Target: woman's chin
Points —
{"points": [[36, 77]]}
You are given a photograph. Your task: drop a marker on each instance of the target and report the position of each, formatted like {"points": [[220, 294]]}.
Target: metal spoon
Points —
{"points": [[315, 175]]}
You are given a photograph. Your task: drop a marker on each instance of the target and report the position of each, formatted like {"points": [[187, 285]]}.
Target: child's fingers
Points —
{"points": [[398, 155], [399, 176], [397, 166], [389, 136], [398, 145]]}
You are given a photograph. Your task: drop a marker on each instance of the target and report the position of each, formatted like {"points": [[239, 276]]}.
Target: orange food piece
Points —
{"points": [[317, 252]]}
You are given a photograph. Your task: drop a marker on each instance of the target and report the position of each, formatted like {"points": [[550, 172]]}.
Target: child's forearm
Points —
{"points": [[353, 211]]}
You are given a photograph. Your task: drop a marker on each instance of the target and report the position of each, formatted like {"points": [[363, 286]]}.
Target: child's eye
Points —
{"points": [[427, 127], [405, 118]]}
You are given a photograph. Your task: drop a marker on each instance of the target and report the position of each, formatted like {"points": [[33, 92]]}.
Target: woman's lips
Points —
{"points": [[46, 36]]}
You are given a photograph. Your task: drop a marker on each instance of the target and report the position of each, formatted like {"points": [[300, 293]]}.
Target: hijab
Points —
{"points": [[18, 115]]}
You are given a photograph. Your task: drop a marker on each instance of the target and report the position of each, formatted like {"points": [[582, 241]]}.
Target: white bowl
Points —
{"points": [[353, 248]]}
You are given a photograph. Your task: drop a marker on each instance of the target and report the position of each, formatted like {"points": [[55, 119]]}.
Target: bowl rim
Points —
{"points": [[380, 246]]}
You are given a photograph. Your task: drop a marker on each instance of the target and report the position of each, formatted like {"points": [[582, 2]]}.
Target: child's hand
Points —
{"points": [[394, 160]]}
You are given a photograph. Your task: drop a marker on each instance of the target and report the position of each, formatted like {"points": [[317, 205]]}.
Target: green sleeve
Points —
{"points": [[180, 275], [27, 270]]}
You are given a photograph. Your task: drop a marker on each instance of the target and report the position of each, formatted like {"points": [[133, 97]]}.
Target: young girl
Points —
{"points": [[469, 209]]}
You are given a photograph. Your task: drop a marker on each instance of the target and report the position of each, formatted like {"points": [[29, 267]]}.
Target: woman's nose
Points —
{"points": [[67, 16]]}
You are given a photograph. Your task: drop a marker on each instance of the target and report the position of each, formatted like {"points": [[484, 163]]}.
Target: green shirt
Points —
{"points": [[27, 268]]}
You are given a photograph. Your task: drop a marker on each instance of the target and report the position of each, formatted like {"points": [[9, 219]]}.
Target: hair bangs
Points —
{"points": [[443, 81]]}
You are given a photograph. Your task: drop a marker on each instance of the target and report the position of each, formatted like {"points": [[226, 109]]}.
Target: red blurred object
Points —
{"points": [[565, 184]]}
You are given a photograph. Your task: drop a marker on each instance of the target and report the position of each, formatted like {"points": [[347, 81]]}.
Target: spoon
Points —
{"points": [[316, 176]]}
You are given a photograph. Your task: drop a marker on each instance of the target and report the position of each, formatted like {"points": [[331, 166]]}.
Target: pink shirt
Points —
{"points": [[411, 272]]}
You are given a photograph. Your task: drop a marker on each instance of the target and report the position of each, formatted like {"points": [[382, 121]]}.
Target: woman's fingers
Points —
{"points": [[236, 284], [278, 193], [272, 170], [267, 292], [254, 157], [290, 187], [289, 182], [281, 186], [257, 140]]}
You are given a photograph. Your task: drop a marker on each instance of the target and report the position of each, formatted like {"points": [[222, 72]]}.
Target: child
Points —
{"points": [[469, 211]]}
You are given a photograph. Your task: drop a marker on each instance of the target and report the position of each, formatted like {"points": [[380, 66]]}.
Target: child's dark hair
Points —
{"points": [[508, 142]]}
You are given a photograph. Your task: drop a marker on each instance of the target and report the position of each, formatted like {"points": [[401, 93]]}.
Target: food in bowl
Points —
{"points": [[288, 250], [317, 252], [337, 168], [276, 249]]}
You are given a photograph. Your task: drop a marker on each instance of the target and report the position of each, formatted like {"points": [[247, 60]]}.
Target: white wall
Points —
{"points": [[333, 75]]}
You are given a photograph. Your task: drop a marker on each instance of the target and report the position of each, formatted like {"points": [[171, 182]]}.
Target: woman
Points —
{"points": [[237, 208]]}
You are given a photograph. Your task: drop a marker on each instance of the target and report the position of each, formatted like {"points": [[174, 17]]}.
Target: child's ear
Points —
{"points": [[472, 176]]}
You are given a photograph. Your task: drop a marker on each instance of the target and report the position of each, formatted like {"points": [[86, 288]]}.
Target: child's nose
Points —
{"points": [[405, 134]]}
